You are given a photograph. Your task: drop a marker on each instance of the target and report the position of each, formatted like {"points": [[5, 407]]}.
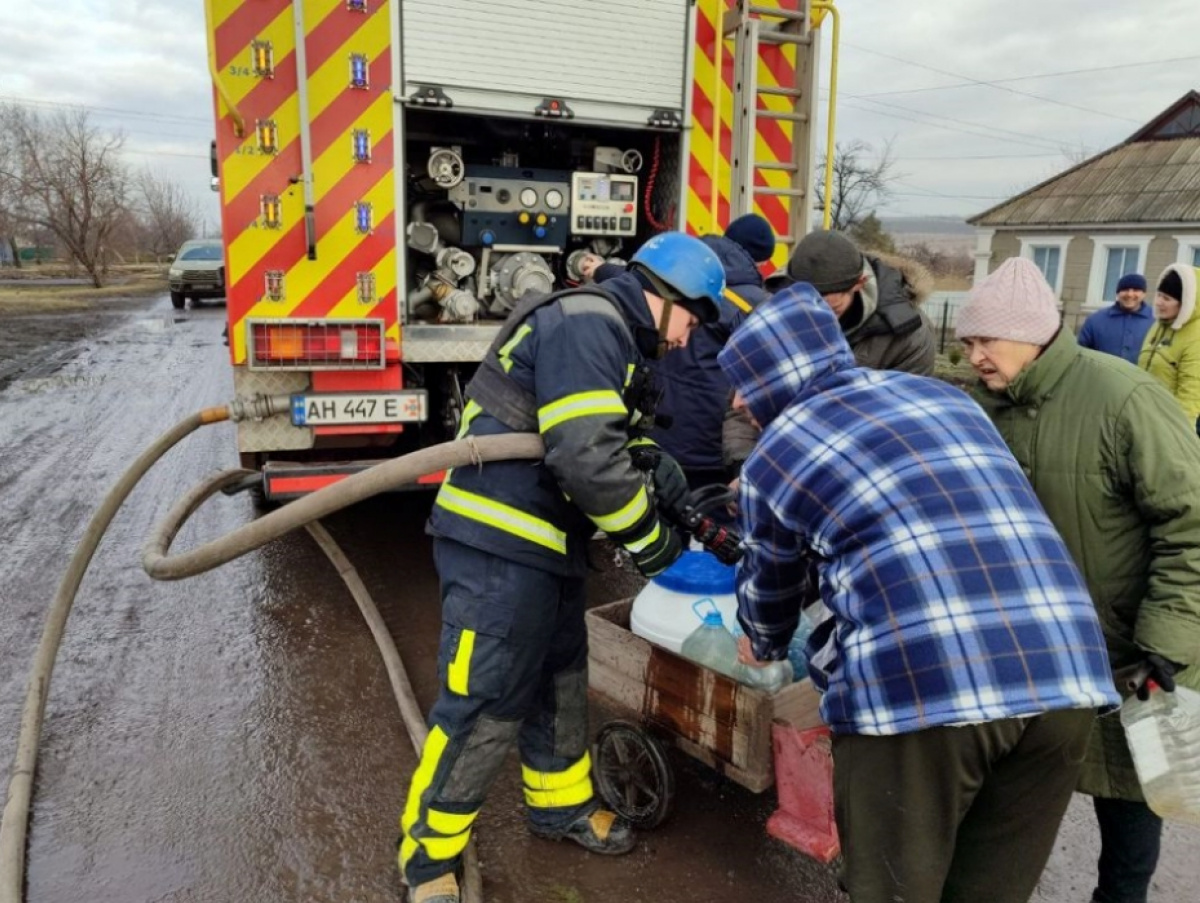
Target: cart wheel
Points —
{"points": [[632, 774]]}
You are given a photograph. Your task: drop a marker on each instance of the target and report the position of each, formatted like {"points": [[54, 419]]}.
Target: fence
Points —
{"points": [[942, 309]]}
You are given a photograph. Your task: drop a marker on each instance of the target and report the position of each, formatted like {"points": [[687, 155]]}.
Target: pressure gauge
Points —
{"points": [[528, 197], [554, 198]]}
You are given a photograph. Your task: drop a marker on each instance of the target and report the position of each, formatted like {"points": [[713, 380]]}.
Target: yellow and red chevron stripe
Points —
{"points": [[328, 285], [709, 168]]}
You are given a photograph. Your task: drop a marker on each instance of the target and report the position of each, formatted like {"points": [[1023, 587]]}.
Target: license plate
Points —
{"points": [[339, 410]]}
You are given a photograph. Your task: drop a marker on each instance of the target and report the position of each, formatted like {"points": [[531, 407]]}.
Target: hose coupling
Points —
{"points": [[259, 407]]}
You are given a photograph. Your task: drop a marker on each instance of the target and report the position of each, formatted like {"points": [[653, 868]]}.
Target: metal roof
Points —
{"points": [[1154, 177]]}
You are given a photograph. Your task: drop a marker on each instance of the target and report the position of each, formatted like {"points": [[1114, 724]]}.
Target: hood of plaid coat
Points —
{"points": [[784, 351]]}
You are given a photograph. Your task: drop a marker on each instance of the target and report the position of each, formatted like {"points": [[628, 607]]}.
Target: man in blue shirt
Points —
{"points": [[1119, 329]]}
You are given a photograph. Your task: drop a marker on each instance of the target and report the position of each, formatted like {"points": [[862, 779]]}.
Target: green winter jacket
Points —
{"points": [[1171, 351], [1117, 468]]}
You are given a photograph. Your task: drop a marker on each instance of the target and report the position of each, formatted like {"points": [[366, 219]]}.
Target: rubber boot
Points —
{"points": [[601, 831], [443, 889]]}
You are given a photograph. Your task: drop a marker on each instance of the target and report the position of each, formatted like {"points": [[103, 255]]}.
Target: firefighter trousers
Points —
{"points": [[512, 667]]}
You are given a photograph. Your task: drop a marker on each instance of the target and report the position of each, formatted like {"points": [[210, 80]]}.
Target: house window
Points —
{"points": [[1048, 261], [1189, 250], [1112, 257], [1121, 260], [1049, 254]]}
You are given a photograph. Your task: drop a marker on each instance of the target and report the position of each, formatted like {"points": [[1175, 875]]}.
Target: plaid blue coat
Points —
{"points": [[943, 592]]}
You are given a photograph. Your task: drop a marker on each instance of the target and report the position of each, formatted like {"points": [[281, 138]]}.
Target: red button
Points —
{"points": [[629, 208]]}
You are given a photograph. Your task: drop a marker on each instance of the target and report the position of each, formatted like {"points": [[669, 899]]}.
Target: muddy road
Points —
{"points": [[232, 737]]}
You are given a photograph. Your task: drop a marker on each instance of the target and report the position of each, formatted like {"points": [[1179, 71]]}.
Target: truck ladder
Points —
{"points": [[756, 27]]}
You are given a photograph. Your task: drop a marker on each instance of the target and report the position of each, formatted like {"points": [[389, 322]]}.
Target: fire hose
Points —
{"points": [[305, 512]]}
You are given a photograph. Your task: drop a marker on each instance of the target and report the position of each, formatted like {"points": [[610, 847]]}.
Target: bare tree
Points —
{"points": [[66, 176], [862, 180], [8, 196], [167, 214]]}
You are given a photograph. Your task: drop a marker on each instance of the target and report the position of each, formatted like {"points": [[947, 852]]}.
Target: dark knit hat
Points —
{"points": [[829, 261], [1134, 281], [1171, 285], [754, 234]]}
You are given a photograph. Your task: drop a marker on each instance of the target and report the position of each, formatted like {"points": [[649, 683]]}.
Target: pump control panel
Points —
{"points": [[603, 203], [510, 206]]}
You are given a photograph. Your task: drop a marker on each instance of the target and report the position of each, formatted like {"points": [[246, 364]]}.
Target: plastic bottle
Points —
{"points": [[1164, 737], [770, 678], [711, 644], [795, 654]]}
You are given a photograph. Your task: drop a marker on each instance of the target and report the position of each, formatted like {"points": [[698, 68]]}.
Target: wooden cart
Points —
{"points": [[709, 716]]}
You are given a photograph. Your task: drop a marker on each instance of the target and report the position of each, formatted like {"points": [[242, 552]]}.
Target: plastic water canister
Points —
{"points": [[662, 612], [1164, 737], [711, 644]]}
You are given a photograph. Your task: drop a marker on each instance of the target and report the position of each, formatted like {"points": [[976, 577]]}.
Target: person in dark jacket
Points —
{"points": [[1120, 328], [1117, 467], [510, 542], [695, 393], [877, 303], [959, 657]]}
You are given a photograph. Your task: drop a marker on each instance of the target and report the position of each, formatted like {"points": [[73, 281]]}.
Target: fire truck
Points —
{"points": [[395, 175]]}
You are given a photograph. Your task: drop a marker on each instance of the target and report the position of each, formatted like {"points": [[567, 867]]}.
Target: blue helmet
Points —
{"points": [[688, 269]]}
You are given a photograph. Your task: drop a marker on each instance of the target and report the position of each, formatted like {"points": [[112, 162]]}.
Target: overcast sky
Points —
{"points": [[960, 146]]}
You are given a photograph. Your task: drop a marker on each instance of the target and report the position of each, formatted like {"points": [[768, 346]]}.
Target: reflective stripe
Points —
{"points": [[408, 846], [627, 516], [581, 404], [435, 746], [507, 349], [443, 848], [630, 369], [557, 780], [502, 517], [458, 675], [738, 301], [470, 412], [639, 545], [554, 790], [450, 822]]}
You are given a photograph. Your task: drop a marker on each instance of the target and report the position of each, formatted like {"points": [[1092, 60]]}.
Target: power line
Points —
{"points": [[31, 102], [930, 192], [1021, 78], [992, 84], [905, 158], [1044, 145], [145, 153]]}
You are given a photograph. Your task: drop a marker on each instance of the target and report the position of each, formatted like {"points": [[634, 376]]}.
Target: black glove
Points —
{"points": [[1158, 669], [659, 555], [670, 485]]}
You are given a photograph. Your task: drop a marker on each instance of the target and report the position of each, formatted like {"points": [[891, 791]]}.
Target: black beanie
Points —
{"points": [[829, 261], [1171, 285]]}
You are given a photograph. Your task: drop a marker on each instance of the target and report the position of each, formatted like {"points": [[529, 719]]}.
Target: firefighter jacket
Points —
{"points": [[577, 357]]}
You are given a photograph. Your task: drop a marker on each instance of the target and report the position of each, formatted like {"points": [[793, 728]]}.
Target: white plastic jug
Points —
{"points": [[1164, 737], [662, 612]]}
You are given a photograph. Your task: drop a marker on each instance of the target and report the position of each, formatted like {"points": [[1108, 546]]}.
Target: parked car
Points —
{"points": [[198, 271]]}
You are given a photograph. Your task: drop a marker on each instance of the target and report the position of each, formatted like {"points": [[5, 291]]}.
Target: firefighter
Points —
{"points": [[510, 542]]}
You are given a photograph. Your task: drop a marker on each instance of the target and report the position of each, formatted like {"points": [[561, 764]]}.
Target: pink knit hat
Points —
{"points": [[1015, 303]]}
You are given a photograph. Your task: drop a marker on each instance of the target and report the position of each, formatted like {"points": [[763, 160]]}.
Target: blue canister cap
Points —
{"points": [[698, 573]]}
